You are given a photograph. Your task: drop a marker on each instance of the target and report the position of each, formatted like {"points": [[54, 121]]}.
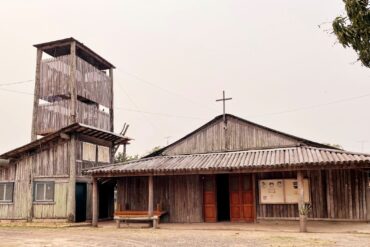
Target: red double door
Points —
{"points": [[240, 198]]}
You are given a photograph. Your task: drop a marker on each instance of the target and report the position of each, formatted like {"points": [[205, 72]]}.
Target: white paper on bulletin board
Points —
{"points": [[291, 191], [271, 191]]}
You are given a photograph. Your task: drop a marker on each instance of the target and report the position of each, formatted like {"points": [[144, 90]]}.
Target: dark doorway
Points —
{"points": [[80, 202], [106, 199], [223, 199]]}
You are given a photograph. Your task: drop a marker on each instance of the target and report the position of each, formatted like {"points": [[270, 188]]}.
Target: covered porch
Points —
{"points": [[188, 187]]}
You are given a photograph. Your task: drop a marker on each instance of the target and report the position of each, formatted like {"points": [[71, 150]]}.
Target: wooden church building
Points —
{"points": [[234, 170], [72, 129]]}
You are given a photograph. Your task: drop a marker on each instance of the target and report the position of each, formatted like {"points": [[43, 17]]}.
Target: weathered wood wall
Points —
{"points": [[84, 164], [54, 116], [180, 196], [238, 136], [335, 194], [19, 174], [56, 209], [94, 88], [92, 83], [51, 163]]}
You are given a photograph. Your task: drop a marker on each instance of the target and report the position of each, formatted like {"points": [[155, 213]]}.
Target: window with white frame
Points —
{"points": [[88, 151], [103, 154], [6, 192], [43, 191]]}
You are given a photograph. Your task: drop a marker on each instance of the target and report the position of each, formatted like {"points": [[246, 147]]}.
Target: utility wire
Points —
{"points": [[16, 91], [313, 106], [157, 113], [139, 78], [14, 83], [136, 106]]}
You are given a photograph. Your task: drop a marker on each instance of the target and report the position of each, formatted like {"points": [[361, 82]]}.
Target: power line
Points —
{"points": [[14, 83], [135, 105], [158, 113], [313, 106], [16, 91], [139, 78]]}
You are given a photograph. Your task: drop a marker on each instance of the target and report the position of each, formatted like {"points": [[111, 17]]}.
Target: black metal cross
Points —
{"points": [[224, 105]]}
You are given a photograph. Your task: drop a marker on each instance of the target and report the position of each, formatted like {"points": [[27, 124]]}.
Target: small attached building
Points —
{"points": [[44, 180], [239, 171]]}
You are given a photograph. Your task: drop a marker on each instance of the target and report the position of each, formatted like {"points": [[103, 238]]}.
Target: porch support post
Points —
{"points": [[95, 203], [301, 205], [254, 198], [367, 188], [150, 196]]}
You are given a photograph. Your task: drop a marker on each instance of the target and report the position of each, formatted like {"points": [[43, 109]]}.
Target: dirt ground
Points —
{"points": [[185, 235]]}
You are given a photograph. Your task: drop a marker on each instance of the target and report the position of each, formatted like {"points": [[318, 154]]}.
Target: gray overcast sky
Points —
{"points": [[176, 57]]}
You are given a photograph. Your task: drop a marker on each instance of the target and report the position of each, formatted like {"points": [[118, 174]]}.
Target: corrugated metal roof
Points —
{"points": [[301, 156]]}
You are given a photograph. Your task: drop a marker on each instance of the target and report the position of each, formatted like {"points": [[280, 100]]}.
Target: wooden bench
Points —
{"points": [[129, 215]]}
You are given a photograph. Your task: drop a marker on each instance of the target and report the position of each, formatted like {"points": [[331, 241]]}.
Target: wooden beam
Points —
{"points": [[36, 95], [72, 85], [301, 205], [71, 202], [95, 203], [367, 187], [64, 136], [111, 111], [254, 197], [150, 196]]}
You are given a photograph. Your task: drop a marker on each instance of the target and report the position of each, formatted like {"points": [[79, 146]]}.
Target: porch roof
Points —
{"points": [[251, 160], [78, 128]]}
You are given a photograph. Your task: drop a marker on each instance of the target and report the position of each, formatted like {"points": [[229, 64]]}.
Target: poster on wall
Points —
{"points": [[291, 191], [281, 191], [272, 191]]}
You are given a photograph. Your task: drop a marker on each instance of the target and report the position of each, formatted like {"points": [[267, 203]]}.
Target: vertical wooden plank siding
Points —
{"points": [[328, 190], [61, 80], [180, 196], [51, 163], [238, 136]]}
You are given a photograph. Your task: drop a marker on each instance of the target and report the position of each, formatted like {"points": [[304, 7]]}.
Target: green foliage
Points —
{"points": [[305, 209], [156, 148], [353, 30], [120, 157]]}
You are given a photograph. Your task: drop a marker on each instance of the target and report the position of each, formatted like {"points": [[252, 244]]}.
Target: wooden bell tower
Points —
{"points": [[73, 85]]}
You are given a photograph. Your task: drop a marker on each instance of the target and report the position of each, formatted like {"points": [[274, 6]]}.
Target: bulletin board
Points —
{"points": [[282, 191], [291, 191], [271, 191]]}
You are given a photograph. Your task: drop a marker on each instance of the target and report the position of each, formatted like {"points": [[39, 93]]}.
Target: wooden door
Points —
{"points": [[209, 199], [241, 197], [80, 202]]}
